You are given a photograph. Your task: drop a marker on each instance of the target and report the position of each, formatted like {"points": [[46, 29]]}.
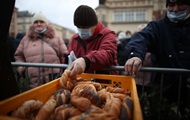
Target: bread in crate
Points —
{"points": [[80, 98]]}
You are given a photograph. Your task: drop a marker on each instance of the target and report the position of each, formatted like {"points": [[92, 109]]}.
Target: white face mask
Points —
{"points": [[84, 33], [37, 31], [177, 16]]}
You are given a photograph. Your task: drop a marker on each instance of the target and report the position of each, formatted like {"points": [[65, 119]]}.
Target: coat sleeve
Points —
{"points": [[106, 55], [19, 56], [142, 42]]}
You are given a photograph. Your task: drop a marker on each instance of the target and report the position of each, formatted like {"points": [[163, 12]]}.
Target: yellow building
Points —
{"points": [[123, 15]]}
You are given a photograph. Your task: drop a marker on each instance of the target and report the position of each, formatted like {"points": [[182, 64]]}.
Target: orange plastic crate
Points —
{"points": [[43, 93]]}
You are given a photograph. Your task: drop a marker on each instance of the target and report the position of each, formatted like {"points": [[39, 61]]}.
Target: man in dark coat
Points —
{"points": [[169, 40]]}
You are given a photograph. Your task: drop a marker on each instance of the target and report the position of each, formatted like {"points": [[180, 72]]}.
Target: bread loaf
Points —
{"points": [[28, 109]]}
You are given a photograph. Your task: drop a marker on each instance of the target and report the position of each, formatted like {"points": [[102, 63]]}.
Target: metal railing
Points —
{"points": [[121, 69]]}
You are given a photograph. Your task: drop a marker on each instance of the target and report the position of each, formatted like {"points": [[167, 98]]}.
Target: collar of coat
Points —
{"points": [[49, 33]]}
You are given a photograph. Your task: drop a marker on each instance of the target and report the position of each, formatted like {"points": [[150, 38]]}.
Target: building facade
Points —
{"points": [[24, 19], [21, 21], [63, 32], [13, 25], [123, 15]]}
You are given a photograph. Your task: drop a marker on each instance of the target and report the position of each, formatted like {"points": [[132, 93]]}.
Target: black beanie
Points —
{"points": [[85, 16], [182, 1]]}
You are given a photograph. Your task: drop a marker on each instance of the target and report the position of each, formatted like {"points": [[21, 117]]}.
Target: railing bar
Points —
{"points": [[179, 94], [39, 75], [143, 84], [161, 89], [110, 68], [52, 74], [39, 65], [26, 74]]}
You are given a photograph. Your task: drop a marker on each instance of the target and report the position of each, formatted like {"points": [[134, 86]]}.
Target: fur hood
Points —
{"points": [[49, 33]]}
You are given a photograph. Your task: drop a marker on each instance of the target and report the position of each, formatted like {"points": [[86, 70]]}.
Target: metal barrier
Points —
{"points": [[121, 69]]}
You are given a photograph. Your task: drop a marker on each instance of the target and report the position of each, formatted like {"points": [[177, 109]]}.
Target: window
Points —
{"points": [[140, 15], [129, 15], [118, 16], [103, 18]]}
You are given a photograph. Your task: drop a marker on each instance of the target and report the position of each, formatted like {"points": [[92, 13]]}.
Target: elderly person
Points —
{"points": [[169, 40], [40, 45], [94, 45]]}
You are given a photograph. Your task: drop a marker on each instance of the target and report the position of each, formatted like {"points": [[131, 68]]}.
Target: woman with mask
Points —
{"points": [[169, 40], [94, 45], [40, 45]]}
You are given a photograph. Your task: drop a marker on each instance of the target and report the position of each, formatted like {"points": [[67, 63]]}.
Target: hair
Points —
{"points": [[128, 32]]}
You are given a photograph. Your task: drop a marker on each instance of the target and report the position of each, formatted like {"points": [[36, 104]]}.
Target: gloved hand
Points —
{"points": [[77, 67], [71, 58], [133, 65]]}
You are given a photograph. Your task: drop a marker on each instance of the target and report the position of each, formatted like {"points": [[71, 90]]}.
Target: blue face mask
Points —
{"points": [[37, 31], [177, 16], [84, 33]]}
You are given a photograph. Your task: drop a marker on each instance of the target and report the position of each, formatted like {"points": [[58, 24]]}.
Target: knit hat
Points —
{"points": [[39, 16], [182, 1], [85, 16]]}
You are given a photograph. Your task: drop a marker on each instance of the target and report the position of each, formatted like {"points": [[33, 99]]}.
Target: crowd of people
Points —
{"points": [[162, 43]]}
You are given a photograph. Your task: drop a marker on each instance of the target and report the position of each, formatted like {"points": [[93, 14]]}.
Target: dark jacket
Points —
{"points": [[120, 48], [170, 44], [168, 41]]}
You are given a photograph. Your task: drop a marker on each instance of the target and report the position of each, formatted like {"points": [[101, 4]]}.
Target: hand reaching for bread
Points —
{"points": [[82, 98]]}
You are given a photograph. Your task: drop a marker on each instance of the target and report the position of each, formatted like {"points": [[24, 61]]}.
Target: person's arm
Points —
{"points": [[105, 55], [137, 47]]}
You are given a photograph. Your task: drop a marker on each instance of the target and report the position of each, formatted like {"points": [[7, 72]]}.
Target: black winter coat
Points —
{"points": [[170, 43]]}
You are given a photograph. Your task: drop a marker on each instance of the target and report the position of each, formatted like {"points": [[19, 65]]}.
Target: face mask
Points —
{"points": [[37, 31], [177, 16], [84, 33]]}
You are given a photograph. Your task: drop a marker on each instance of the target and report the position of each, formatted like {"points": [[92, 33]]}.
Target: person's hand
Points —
{"points": [[77, 67], [132, 66], [21, 70]]}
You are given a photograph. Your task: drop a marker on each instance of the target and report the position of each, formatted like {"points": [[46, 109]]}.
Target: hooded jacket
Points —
{"points": [[33, 49]]}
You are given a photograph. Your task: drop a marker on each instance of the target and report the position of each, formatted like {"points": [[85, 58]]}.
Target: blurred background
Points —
{"points": [[118, 15]]}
